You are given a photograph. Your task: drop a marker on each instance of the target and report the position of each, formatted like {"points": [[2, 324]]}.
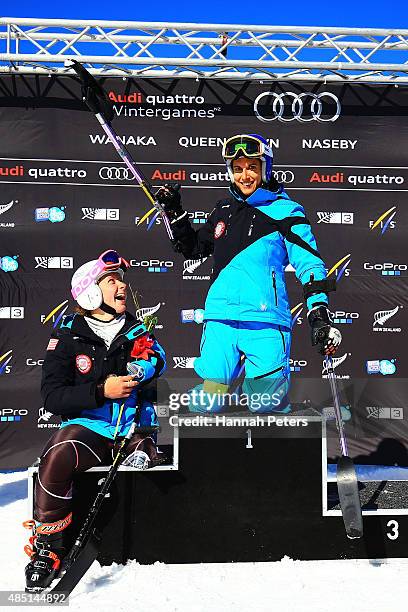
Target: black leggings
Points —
{"points": [[70, 450]]}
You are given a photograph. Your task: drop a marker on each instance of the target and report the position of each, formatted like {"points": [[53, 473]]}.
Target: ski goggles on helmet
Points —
{"points": [[84, 283], [243, 144], [110, 261]]}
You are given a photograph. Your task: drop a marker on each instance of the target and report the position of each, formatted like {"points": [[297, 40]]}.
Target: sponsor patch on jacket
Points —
{"points": [[83, 363], [52, 345], [219, 229]]}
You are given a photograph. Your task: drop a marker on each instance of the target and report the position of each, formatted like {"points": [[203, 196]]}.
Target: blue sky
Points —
{"points": [[349, 13]]}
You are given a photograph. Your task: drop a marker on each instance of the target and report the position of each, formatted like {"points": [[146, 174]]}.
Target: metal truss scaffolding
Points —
{"points": [[223, 51]]}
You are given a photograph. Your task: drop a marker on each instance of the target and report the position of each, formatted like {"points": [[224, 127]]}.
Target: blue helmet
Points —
{"points": [[251, 146]]}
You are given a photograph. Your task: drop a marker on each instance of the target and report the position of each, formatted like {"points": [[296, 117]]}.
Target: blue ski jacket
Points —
{"points": [[252, 242]]}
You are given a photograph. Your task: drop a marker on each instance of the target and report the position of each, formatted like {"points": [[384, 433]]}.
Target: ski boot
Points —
{"points": [[146, 454], [47, 547]]}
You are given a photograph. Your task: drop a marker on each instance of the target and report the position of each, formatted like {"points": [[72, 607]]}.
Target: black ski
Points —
{"points": [[347, 486], [347, 483], [79, 567], [86, 546]]}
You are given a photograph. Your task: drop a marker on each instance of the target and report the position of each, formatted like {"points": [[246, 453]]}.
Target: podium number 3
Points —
{"points": [[393, 525]]}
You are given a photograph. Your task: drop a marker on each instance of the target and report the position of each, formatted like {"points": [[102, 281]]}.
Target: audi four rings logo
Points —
{"points": [[299, 106], [112, 173], [284, 176]]}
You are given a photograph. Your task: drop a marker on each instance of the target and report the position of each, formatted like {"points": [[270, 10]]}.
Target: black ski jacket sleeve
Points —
{"points": [[61, 392], [195, 243]]}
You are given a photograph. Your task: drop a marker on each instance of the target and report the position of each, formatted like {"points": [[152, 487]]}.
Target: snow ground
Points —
{"points": [[286, 586]]}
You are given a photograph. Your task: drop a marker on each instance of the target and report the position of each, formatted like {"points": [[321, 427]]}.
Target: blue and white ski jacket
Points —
{"points": [[252, 242]]}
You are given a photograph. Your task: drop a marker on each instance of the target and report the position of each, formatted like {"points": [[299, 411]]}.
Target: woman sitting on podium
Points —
{"points": [[96, 366]]}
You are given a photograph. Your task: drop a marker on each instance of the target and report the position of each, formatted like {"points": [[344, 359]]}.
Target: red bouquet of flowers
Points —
{"points": [[142, 347]]}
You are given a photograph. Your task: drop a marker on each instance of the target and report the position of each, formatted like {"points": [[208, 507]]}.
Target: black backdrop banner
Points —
{"points": [[65, 197]]}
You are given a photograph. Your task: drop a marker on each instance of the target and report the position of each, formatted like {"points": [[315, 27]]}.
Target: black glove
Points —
{"points": [[327, 338], [273, 185], [169, 197]]}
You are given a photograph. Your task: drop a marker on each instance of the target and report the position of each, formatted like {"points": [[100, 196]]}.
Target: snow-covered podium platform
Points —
{"points": [[244, 491]]}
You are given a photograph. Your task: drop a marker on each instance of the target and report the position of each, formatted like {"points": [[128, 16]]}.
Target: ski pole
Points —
{"points": [[86, 528], [86, 547], [337, 407], [97, 101], [347, 483]]}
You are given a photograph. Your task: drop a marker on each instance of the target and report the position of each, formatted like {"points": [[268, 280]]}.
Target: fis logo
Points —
{"points": [[342, 317], [192, 315], [54, 214], [12, 415], [152, 265], [382, 316], [56, 314], [4, 362], [184, 362], [101, 214], [387, 268], [296, 312], [345, 218], [151, 218], [385, 367], [336, 362], [9, 263], [296, 365], [341, 267], [54, 263], [385, 220]]}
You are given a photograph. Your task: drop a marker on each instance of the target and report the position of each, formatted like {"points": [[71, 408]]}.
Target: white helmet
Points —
{"points": [[84, 284]]}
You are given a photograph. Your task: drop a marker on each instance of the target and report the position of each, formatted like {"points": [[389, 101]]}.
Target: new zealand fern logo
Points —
{"points": [[192, 264], [5, 207], [142, 313], [382, 316], [336, 361]]}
